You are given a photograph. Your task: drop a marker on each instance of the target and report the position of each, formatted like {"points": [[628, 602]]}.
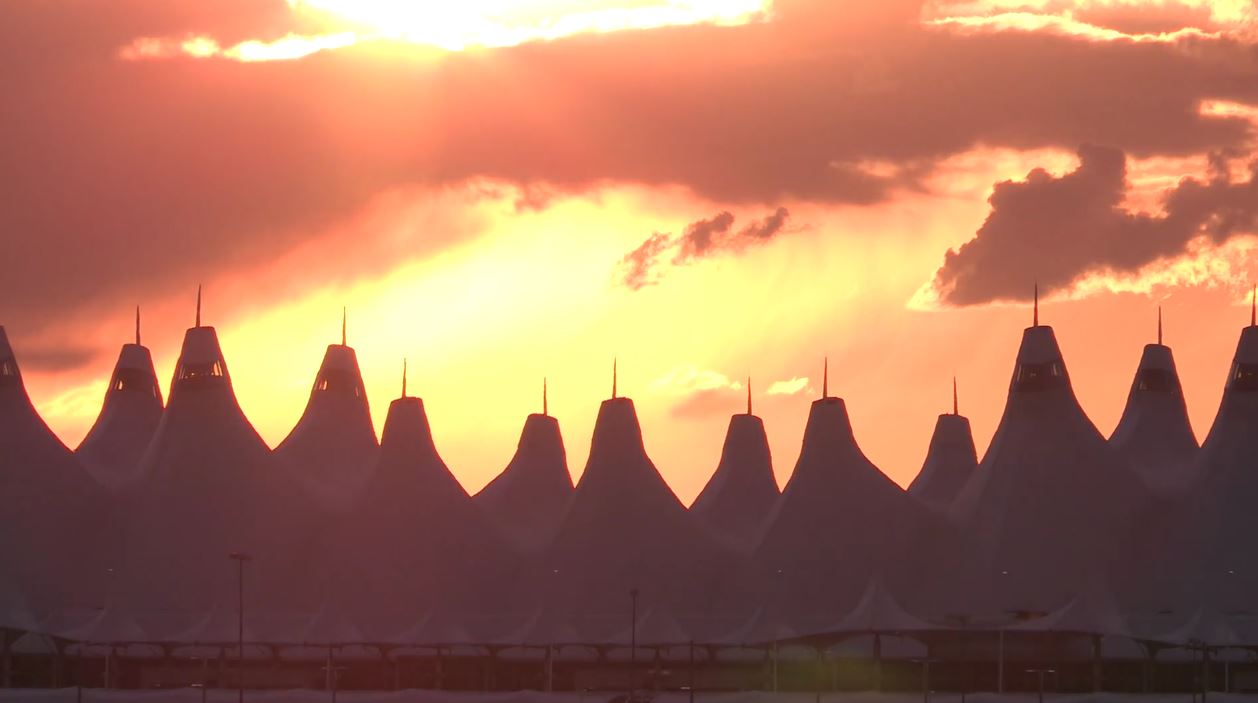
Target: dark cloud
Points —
{"points": [[766, 228], [636, 267], [1057, 230], [698, 240], [699, 237], [122, 180]]}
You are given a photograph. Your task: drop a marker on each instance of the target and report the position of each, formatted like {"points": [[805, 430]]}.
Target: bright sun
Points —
{"points": [[458, 25]]}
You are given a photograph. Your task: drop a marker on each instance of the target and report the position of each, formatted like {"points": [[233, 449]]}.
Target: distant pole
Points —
{"points": [[240, 558], [692, 671], [614, 378], [1159, 325], [137, 325], [344, 317], [825, 378], [1000, 662], [633, 640], [1253, 308], [749, 395], [955, 405], [1035, 314], [545, 402], [198, 306]]}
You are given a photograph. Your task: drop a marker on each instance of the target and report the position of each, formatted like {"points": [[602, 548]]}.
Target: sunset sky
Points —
{"points": [[703, 189]]}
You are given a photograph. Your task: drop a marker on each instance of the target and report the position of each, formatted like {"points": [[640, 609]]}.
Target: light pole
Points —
{"points": [[633, 640], [240, 558]]}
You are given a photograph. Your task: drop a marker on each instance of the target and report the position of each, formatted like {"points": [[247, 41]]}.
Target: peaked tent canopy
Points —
{"points": [[1051, 503], [332, 448], [416, 539], [742, 491], [1211, 548], [878, 612], [112, 449], [625, 529], [1093, 611], [50, 508], [950, 462], [840, 520], [1154, 434], [207, 489], [529, 497]]}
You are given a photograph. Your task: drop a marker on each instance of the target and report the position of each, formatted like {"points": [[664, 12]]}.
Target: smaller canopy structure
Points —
{"points": [[878, 612], [1091, 612], [112, 449], [950, 462], [742, 492], [1210, 628], [529, 498], [110, 626], [765, 625]]}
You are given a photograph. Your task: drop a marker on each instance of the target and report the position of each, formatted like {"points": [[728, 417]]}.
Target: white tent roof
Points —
{"points": [[438, 627], [742, 492], [545, 626], [1211, 546], [331, 626], [132, 409], [1210, 627], [950, 462], [1091, 612], [625, 529], [1051, 503], [878, 611], [840, 519], [1154, 434], [110, 626], [333, 447], [529, 498], [656, 626], [418, 533], [51, 510], [208, 490], [765, 625]]}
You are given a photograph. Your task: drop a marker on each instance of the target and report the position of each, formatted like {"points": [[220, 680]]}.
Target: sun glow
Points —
{"points": [[494, 23]]}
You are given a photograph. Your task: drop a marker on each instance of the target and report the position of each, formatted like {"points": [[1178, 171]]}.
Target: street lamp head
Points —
{"points": [[240, 556]]}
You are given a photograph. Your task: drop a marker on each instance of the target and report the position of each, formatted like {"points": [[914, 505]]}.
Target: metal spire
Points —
{"points": [[137, 325], [613, 378], [749, 395], [1253, 308], [825, 378], [1035, 315], [344, 315], [955, 406], [403, 377], [1159, 325], [198, 305], [545, 404]]}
